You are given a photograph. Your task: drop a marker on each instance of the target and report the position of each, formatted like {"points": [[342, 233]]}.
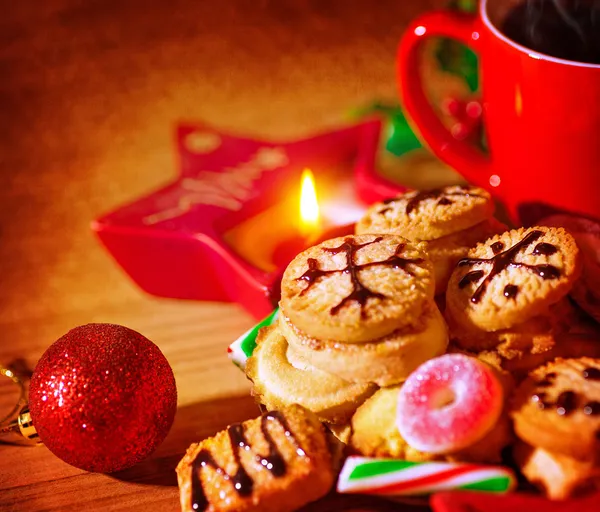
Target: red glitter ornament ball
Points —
{"points": [[103, 397]]}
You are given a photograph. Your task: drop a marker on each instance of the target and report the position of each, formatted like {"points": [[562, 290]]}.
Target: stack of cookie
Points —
{"points": [[357, 313], [361, 343], [507, 304]]}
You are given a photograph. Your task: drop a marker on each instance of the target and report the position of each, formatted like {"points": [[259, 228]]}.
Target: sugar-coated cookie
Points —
{"points": [[278, 462], [429, 214], [281, 377], [557, 408], [385, 361], [512, 278], [450, 220], [357, 288]]}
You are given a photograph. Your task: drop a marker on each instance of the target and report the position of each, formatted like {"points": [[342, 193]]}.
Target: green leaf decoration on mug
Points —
{"points": [[456, 58], [453, 58], [399, 136]]}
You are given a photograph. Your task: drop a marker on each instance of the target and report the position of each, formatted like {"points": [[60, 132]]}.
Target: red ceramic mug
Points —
{"points": [[541, 117]]}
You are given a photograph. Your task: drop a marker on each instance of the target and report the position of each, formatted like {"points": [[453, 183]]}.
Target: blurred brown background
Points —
{"points": [[89, 93], [91, 89]]}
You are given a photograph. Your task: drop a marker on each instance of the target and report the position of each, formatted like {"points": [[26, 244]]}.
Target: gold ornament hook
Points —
{"points": [[21, 424]]}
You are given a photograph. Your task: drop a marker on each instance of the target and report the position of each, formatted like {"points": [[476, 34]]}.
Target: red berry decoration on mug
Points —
{"points": [[102, 398], [467, 115]]}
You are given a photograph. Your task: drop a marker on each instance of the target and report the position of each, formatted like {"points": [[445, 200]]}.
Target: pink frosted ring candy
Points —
{"points": [[448, 403]]}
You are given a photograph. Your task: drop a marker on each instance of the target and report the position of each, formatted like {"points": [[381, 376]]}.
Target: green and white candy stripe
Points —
{"points": [[241, 349], [391, 477]]}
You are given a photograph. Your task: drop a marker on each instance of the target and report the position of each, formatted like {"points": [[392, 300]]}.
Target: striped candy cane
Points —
{"points": [[241, 349], [389, 477]]}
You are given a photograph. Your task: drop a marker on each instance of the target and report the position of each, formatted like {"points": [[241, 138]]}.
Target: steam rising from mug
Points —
{"points": [[567, 29]]}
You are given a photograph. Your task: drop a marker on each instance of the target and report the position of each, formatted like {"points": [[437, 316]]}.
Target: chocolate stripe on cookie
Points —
{"points": [[505, 259], [241, 480], [360, 293]]}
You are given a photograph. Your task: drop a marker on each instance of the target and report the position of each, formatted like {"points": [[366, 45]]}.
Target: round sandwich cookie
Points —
{"points": [[280, 378], [385, 361]]}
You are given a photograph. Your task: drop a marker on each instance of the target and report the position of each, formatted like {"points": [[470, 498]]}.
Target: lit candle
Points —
{"points": [[309, 223], [309, 206], [271, 239]]}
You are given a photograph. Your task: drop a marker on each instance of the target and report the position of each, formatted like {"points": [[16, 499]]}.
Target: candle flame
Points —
{"points": [[309, 206]]}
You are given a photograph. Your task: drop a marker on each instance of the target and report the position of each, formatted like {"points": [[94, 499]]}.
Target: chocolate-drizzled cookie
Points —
{"points": [[450, 220], [512, 278], [429, 214], [278, 462], [556, 413], [557, 407], [357, 288]]}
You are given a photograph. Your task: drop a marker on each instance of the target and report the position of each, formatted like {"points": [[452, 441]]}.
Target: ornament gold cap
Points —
{"points": [[22, 424]]}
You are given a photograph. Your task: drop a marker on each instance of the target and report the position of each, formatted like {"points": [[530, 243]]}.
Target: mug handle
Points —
{"points": [[465, 158]]}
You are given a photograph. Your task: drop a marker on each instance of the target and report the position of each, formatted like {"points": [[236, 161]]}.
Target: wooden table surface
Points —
{"points": [[89, 94]]}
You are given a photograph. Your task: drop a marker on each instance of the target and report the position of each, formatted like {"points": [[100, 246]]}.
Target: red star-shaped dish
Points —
{"points": [[517, 502], [173, 242]]}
